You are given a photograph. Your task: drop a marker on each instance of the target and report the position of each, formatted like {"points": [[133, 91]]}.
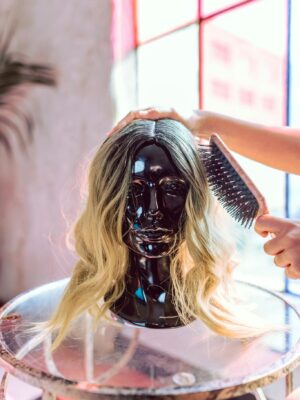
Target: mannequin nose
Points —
{"points": [[153, 204]]}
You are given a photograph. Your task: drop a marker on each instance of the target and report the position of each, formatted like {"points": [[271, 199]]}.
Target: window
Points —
{"points": [[256, 54], [168, 70], [228, 56], [157, 17]]}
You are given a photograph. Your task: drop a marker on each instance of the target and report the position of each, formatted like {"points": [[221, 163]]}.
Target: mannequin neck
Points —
{"points": [[147, 300], [151, 271]]}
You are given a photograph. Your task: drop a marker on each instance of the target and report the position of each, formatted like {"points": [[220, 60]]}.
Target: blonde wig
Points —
{"points": [[201, 267]]}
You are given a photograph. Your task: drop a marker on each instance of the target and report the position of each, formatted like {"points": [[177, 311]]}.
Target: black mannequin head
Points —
{"points": [[161, 161], [154, 213], [164, 291]]}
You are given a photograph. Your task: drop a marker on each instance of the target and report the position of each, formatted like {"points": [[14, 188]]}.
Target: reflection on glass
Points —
{"points": [[156, 17], [244, 76], [168, 71]]}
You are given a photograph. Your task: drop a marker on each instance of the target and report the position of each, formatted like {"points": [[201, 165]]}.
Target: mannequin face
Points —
{"points": [[155, 203]]}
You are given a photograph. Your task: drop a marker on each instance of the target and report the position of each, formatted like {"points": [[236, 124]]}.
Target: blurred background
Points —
{"points": [[240, 58]]}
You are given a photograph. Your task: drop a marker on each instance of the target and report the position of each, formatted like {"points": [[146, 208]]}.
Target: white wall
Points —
{"points": [[39, 187]]}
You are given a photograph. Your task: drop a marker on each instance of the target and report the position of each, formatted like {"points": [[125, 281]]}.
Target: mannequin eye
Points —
{"points": [[174, 188], [136, 189]]}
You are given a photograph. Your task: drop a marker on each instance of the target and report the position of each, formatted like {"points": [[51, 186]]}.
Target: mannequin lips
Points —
{"points": [[155, 234]]}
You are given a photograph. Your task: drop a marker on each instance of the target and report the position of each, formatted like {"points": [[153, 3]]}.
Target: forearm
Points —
{"points": [[276, 147]]}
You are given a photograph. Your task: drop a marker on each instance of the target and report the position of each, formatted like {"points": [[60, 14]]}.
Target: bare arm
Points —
{"points": [[277, 147]]}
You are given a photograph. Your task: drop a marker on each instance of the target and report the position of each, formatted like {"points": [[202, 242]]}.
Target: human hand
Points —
{"points": [[196, 122], [285, 246]]}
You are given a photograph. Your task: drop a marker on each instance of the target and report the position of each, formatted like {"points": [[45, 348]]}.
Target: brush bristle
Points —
{"points": [[227, 185]]}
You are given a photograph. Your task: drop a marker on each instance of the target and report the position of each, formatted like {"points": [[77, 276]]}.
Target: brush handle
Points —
{"points": [[263, 208]]}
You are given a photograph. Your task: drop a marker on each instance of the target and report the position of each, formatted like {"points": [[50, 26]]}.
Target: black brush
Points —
{"points": [[230, 184]]}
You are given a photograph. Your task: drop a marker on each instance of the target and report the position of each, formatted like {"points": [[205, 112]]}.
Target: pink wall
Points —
{"points": [[39, 187]]}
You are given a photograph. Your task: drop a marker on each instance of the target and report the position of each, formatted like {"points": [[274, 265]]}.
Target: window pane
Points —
{"points": [[155, 16], [294, 117], [244, 76], [212, 6], [168, 71], [123, 40]]}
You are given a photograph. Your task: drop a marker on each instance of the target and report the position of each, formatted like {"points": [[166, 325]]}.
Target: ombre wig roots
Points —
{"points": [[201, 267]]}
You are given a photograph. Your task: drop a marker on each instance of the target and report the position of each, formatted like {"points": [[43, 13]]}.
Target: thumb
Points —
{"points": [[268, 224]]}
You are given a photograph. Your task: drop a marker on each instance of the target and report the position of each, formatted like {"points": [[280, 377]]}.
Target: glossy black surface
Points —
{"points": [[152, 223]]}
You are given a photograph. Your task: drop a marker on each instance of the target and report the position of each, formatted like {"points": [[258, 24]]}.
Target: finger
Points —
{"points": [[117, 127], [160, 114], [132, 115], [282, 259], [123, 122], [291, 274], [274, 246], [293, 256], [155, 113], [268, 223]]}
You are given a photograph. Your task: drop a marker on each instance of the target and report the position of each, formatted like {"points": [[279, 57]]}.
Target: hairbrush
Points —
{"points": [[230, 184]]}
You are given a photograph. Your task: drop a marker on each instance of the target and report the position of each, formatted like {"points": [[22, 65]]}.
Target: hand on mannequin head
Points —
{"points": [[285, 246], [196, 121]]}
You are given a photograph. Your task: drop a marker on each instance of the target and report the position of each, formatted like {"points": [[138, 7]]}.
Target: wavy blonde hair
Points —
{"points": [[201, 267]]}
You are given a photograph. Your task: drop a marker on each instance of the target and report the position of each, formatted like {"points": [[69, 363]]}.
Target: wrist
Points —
{"points": [[199, 123]]}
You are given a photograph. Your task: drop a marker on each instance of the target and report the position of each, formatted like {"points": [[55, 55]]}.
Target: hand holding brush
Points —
{"points": [[285, 244]]}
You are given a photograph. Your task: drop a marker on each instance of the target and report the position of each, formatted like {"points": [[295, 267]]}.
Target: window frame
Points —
{"points": [[201, 20]]}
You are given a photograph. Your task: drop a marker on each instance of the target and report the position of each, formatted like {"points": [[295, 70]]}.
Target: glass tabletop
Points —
{"points": [[121, 360]]}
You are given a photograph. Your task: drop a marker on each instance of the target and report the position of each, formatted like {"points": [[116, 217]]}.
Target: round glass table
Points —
{"points": [[120, 361]]}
